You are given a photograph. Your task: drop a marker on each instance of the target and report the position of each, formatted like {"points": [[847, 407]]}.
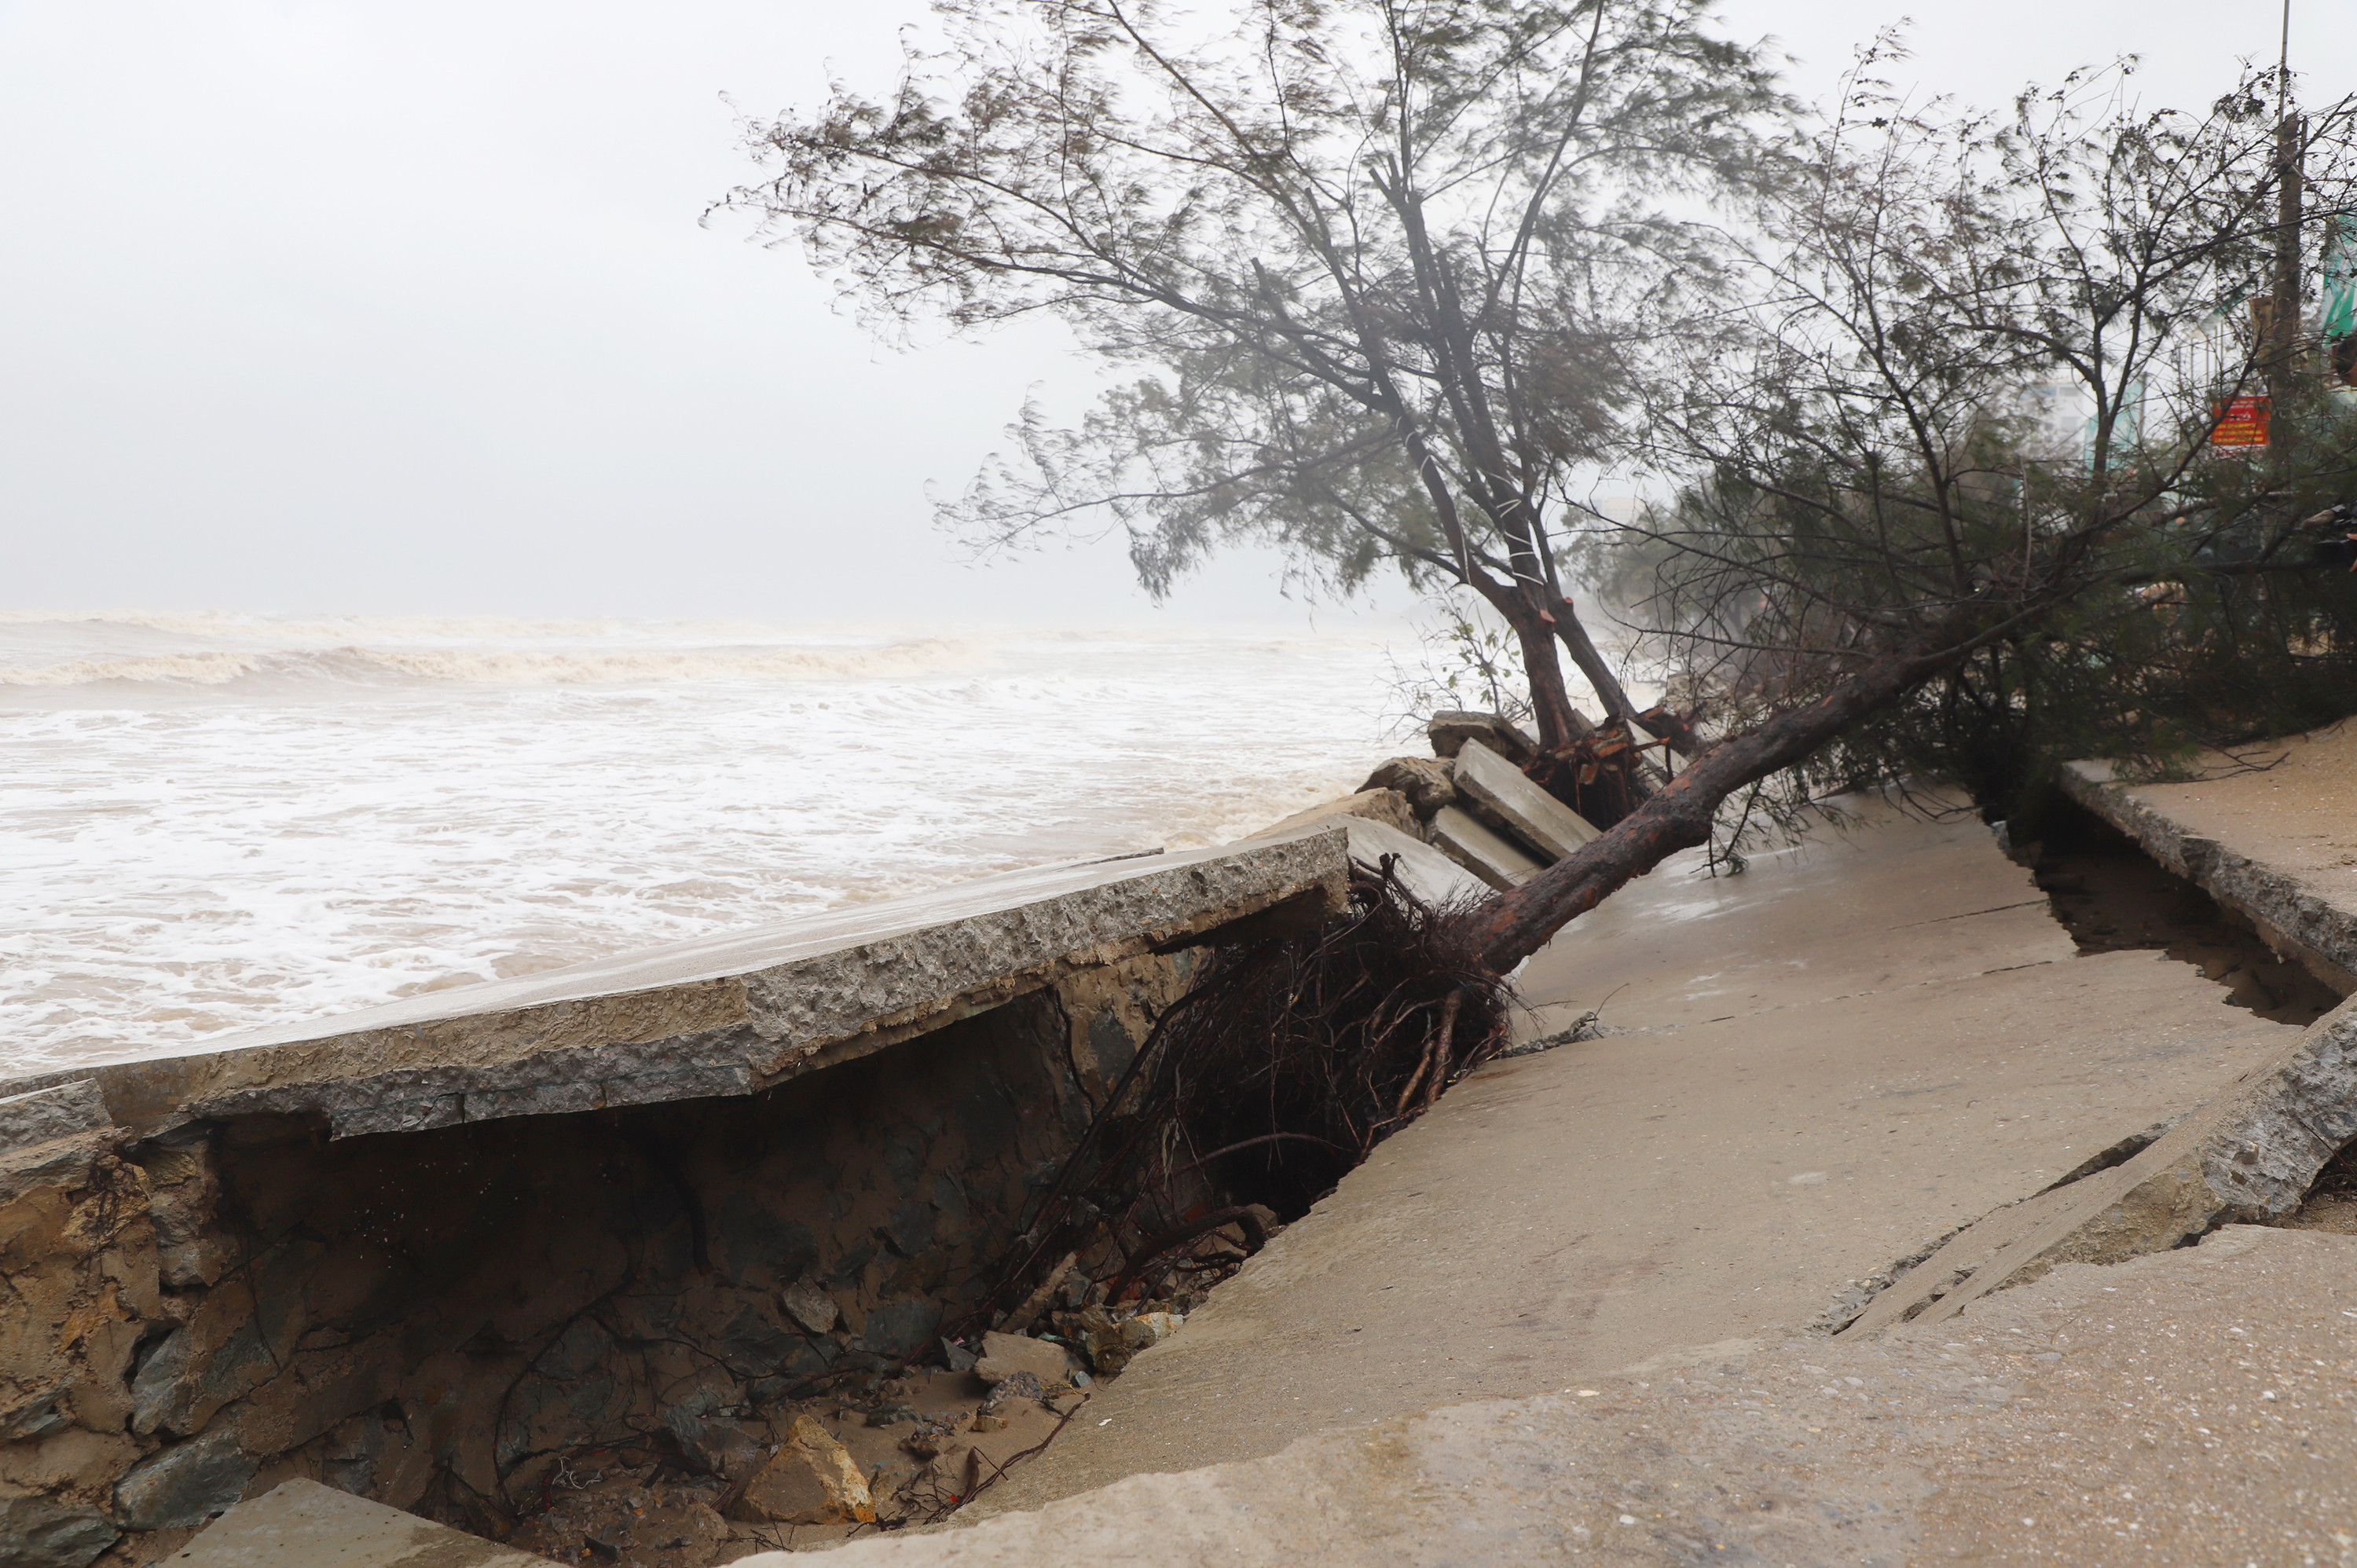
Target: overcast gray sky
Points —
{"points": [[315, 305]]}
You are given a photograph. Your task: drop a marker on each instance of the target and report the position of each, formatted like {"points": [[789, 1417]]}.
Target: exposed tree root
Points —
{"points": [[1283, 1066]]}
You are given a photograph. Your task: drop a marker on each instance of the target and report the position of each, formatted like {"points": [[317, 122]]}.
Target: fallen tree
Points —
{"points": [[1941, 461]]}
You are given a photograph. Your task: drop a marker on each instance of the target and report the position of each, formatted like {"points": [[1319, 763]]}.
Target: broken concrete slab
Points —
{"points": [[917, 1063], [1497, 790], [1912, 1447], [1769, 1122], [726, 1015], [1389, 807], [1449, 729], [302, 1524], [1427, 872], [1498, 862], [2226, 834], [59, 1111], [2250, 1153]]}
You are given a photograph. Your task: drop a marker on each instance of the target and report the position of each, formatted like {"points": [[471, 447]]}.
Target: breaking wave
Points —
{"points": [[215, 823], [535, 668], [195, 669], [193, 651]]}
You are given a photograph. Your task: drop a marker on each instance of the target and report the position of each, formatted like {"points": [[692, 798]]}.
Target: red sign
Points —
{"points": [[2239, 422]]}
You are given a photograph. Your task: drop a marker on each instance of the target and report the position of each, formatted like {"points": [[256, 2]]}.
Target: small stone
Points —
{"points": [[807, 1303], [38, 1533], [1013, 1386], [1423, 780], [186, 1484], [989, 1423], [891, 1415], [929, 1438], [1004, 1355], [956, 1357], [1451, 729], [1112, 1346], [813, 1480], [719, 1448]]}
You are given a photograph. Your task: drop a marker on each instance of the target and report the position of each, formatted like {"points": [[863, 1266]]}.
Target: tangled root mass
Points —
{"points": [[1283, 1066]]}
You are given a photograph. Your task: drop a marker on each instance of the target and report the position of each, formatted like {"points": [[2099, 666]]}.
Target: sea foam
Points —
{"points": [[211, 823]]}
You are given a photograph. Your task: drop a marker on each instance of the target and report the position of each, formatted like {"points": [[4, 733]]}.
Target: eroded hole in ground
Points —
{"points": [[666, 1336], [2111, 897], [2331, 1202]]}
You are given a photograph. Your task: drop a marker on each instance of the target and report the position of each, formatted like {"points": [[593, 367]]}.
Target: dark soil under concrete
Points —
{"points": [[2332, 1202]]}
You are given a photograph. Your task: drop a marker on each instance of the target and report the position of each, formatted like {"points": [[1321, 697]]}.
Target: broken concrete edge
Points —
{"points": [[1496, 860], [2293, 918], [1498, 792], [2249, 1154], [302, 1524], [1387, 806], [59, 1111], [720, 1016], [1425, 870]]}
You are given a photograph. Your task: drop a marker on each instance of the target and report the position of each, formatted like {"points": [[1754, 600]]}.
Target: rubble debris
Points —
{"points": [[811, 1480], [1425, 781], [1496, 860], [1023, 1316], [931, 1437], [1283, 1065], [1111, 1343], [1495, 791], [1388, 807], [807, 1303], [1008, 1355], [715, 1447], [626, 1521], [1024, 1384], [1450, 728]]}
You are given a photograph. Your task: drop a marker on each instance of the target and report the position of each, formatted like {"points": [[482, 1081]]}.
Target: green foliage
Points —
{"points": [[1970, 409], [1462, 661], [1375, 276]]}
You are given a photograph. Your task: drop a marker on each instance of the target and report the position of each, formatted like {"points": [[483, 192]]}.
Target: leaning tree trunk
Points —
{"points": [[1592, 663], [1517, 923], [1559, 723]]}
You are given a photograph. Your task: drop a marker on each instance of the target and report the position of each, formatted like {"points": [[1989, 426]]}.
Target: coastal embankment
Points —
{"points": [[1832, 1210]]}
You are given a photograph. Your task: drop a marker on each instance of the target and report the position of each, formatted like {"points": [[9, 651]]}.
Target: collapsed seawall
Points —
{"points": [[424, 1253]]}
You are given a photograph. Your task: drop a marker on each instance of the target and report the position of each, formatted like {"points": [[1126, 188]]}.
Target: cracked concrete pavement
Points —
{"points": [[1822, 1066]]}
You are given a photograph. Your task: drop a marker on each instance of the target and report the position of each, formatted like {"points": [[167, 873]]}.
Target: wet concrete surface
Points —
{"points": [[2192, 1407], [1824, 1065]]}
